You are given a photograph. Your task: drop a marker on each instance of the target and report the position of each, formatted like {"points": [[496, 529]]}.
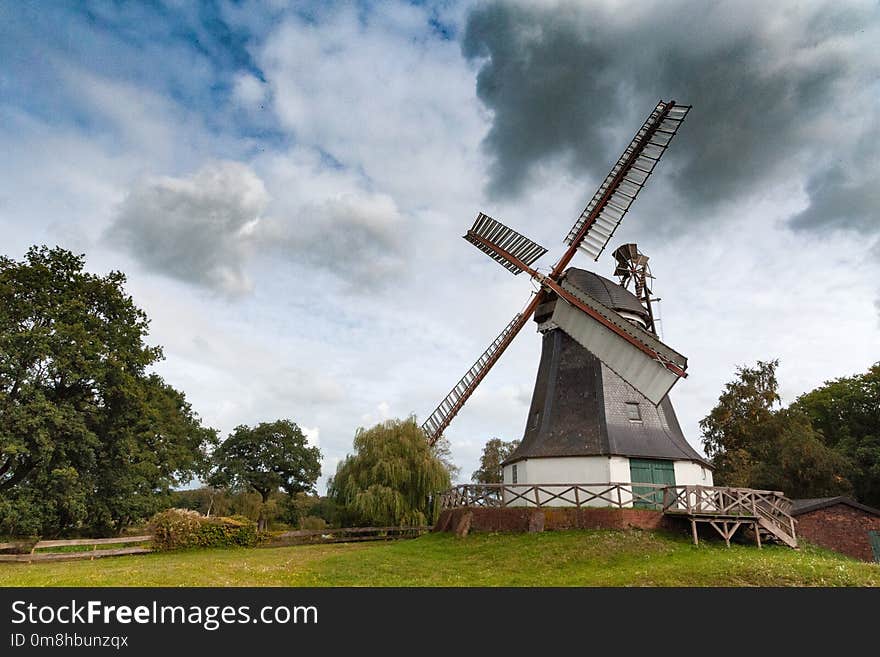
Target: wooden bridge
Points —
{"points": [[726, 510]]}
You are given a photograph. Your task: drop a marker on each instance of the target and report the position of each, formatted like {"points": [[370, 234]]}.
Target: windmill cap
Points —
{"points": [[605, 291]]}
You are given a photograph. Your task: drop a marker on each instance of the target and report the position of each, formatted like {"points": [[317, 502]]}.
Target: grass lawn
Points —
{"points": [[571, 558]]}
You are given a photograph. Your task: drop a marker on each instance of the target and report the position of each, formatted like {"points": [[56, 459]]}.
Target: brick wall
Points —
{"points": [[840, 528], [513, 519]]}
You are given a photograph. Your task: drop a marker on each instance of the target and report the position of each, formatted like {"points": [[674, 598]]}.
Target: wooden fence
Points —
{"points": [[28, 553], [345, 535], [94, 543]]}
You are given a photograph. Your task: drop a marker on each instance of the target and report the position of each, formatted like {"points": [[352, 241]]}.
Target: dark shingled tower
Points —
{"points": [[580, 407]]}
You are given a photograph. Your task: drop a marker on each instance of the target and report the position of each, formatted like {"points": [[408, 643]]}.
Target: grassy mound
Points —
{"points": [[570, 558]]}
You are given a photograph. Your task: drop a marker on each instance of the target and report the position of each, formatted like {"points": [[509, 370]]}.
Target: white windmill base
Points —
{"points": [[500, 507], [554, 475]]}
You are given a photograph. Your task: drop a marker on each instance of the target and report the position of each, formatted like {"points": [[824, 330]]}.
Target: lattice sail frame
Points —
{"points": [[518, 245], [626, 179], [446, 409]]}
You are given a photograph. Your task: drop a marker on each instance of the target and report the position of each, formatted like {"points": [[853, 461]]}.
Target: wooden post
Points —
{"points": [[694, 531], [758, 534]]}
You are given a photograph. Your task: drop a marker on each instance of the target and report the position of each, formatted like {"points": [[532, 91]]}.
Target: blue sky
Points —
{"points": [[286, 186]]}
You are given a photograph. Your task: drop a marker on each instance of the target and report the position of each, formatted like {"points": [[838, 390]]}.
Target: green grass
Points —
{"points": [[571, 558]]}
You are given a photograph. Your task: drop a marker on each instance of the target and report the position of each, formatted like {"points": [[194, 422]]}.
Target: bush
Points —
{"points": [[176, 529], [313, 522]]}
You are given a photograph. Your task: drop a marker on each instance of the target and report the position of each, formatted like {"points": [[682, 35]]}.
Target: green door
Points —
{"points": [[650, 471], [874, 537]]}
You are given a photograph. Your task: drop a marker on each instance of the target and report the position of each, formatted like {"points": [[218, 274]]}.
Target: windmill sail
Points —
{"points": [[603, 214], [490, 236], [639, 358], [437, 422]]}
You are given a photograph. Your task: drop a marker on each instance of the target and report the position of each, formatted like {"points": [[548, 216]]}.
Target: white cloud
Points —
{"points": [[250, 91], [208, 227], [313, 436], [195, 228], [381, 413], [381, 94], [356, 236]]}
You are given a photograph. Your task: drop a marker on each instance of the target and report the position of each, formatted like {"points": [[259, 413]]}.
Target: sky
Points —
{"points": [[286, 186]]}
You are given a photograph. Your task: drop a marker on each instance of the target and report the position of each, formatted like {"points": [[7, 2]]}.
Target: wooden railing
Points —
{"points": [[345, 535], [722, 500], [766, 510], [770, 505], [95, 543], [618, 495], [763, 509]]}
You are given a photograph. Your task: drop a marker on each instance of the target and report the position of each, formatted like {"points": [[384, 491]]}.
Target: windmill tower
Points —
{"points": [[600, 410]]}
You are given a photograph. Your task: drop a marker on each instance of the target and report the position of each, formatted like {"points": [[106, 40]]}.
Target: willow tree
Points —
{"points": [[391, 477]]}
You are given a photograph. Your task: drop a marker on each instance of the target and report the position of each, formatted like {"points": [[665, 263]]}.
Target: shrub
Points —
{"points": [[176, 529], [313, 522]]}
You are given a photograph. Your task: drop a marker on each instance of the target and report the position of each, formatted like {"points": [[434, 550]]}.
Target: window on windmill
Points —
{"points": [[633, 414], [513, 477]]}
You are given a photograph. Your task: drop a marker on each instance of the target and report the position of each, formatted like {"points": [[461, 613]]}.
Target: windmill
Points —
{"points": [[601, 327]]}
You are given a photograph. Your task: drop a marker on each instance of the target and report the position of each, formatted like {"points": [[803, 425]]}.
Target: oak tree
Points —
{"points": [[89, 440], [266, 458]]}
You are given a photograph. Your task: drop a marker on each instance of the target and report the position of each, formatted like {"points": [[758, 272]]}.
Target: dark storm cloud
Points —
{"points": [[775, 92], [845, 193], [840, 199]]}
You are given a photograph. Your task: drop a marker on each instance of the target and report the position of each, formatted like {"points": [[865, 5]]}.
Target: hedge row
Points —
{"points": [[176, 529]]}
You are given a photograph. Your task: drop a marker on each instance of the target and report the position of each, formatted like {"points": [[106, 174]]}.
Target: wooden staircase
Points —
{"points": [[766, 513]]}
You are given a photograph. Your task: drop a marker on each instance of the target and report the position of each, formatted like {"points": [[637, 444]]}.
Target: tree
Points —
{"points": [[88, 440], [495, 452], [153, 426], [846, 412], [391, 477], [799, 462], [266, 458], [736, 433], [754, 445], [206, 500], [443, 451]]}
